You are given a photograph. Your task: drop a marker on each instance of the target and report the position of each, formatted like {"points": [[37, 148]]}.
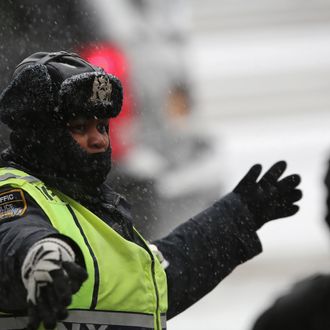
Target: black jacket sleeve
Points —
{"points": [[205, 249], [20, 228]]}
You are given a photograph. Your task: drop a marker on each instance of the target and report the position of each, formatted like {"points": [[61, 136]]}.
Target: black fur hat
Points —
{"points": [[58, 86]]}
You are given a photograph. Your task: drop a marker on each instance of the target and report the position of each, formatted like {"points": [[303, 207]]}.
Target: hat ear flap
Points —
{"points": [[117, 95], [28, 95]]}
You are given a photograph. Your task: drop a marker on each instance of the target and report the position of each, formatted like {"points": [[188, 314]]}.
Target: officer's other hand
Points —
{"points": [[269, 197], [50, 276]]}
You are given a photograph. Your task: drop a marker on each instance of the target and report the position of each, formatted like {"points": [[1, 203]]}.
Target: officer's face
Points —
{"points": [[91, 134]]}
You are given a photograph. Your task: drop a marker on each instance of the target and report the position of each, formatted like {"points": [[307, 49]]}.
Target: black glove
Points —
{"points": [[269, 198], [50, 276]]}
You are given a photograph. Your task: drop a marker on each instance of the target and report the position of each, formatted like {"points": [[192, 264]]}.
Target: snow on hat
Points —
{"points": [[58, 86]]}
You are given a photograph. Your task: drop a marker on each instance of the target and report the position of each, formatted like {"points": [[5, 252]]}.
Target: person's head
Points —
{"points": [[58, 107]]}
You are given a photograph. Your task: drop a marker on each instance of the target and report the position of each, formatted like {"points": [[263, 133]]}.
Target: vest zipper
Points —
{"points": [[95, 264], [155, 285], [156, 290]]}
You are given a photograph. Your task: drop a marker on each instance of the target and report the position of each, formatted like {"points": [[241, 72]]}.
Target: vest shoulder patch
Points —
{"points": [[12, 204]]}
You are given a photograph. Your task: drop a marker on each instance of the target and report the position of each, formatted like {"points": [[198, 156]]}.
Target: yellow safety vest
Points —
{"points": [[126, 287]]}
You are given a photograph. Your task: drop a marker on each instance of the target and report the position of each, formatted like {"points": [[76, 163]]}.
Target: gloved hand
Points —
{"points": [[269, 198], [50, 276]]}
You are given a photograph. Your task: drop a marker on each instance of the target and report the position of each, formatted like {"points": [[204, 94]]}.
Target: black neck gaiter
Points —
{"points": [[51, 154]]}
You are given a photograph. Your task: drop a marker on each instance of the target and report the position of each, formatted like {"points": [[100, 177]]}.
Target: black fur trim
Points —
{"points": [[27, 98], [31, 98], [76, 97]]}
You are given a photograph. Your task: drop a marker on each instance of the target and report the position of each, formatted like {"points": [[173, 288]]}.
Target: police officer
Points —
{"points": [[69, 254]]}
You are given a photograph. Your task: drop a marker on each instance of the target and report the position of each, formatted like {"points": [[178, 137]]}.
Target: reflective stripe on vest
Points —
{"points": [[137, 286], [28, 178], [97, 320]]}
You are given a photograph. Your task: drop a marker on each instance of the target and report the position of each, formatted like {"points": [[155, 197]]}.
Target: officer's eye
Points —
{"points": [[78, 128], [103, 127]]}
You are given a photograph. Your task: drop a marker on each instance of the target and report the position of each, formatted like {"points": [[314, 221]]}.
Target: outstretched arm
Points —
{"points": [[205, 249], [40, 268]]}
